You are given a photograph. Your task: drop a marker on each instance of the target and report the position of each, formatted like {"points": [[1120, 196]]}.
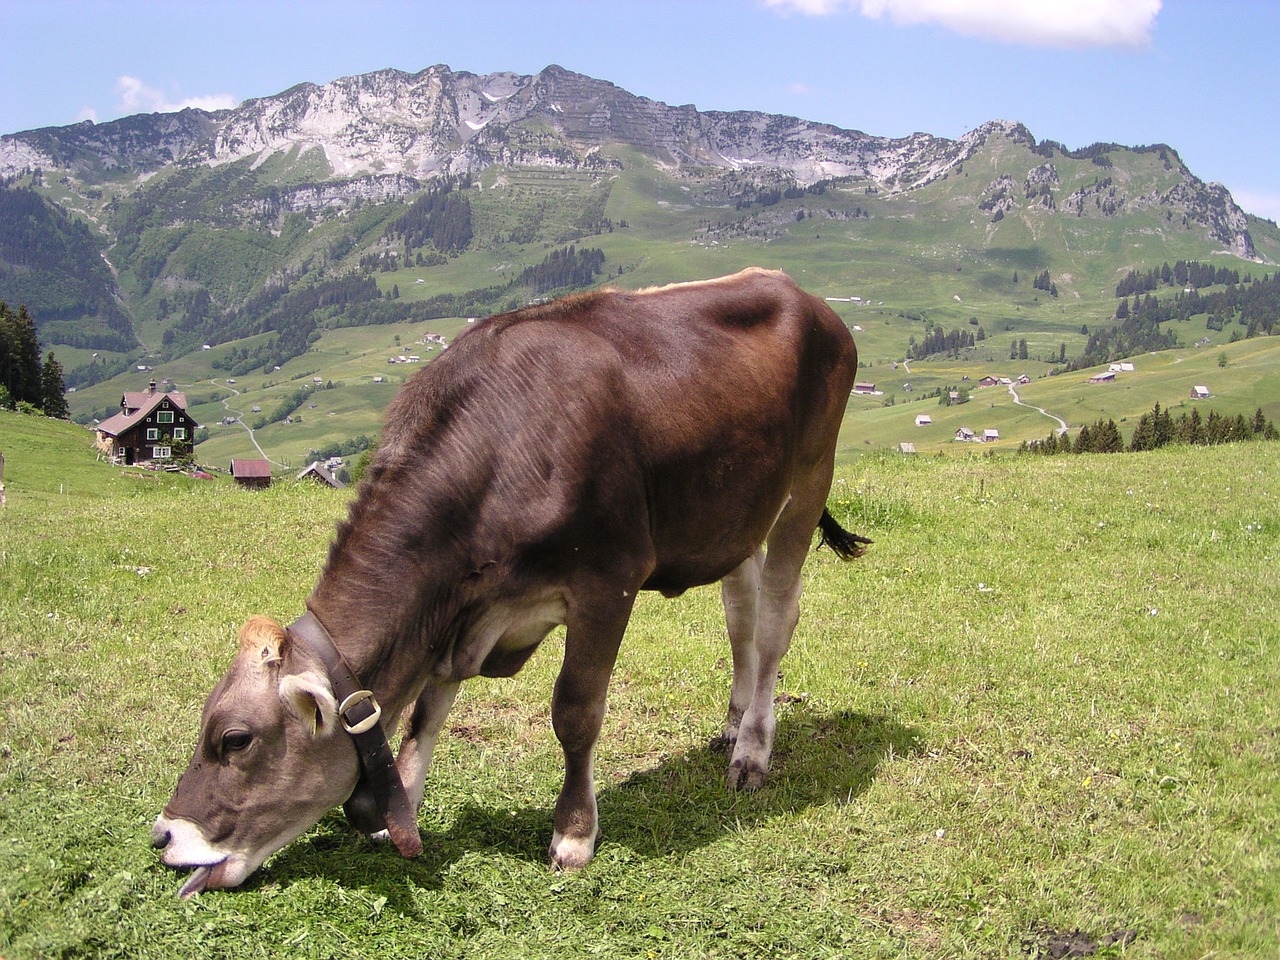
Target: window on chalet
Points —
{"points": [[153, 433], [179, 433], [164, 416], [162, 453]]}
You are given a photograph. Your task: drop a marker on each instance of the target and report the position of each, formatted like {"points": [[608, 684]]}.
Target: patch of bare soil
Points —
{"points": [[1046, 942]]}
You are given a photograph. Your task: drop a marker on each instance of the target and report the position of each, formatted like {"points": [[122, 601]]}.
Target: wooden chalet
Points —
{"points": [[319, 473], [254, 474], [149, 426]]}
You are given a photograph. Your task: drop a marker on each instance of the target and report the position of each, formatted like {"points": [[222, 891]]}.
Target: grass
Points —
{"points": [[1250, 379], [1042, 704]]}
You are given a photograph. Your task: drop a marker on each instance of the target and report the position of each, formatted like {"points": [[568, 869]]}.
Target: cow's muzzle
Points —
{"points": [[185, 849]]}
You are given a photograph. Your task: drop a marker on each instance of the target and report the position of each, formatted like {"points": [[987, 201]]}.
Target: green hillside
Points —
{"points": [[205, 257], [1249, 380]]}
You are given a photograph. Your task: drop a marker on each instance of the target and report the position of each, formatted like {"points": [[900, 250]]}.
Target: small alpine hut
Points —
{"points": [[254, 474]]}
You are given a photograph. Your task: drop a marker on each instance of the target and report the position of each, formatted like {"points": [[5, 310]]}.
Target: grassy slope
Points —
{"points": [[1043, 702], [1250, 379], [930, 255]]}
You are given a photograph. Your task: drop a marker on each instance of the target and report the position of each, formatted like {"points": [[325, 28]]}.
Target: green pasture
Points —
{"points": [[1250, 379], [1039, 715], [924, 259], [348, 359]]}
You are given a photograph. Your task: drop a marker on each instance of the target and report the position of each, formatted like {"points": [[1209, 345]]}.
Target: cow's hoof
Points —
{"points": [[571, 853], [722, 743], [745, 776]]}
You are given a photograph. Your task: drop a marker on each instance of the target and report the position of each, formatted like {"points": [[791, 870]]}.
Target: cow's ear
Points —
{"points": [[310, 698], [263, 641]]}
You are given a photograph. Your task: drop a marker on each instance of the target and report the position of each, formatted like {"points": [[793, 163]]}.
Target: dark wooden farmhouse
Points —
{"points": [[149, 426], [255, 474]]}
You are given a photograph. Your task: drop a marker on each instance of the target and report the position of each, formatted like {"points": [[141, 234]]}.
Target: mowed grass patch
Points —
{"points": [[1042, 704]]}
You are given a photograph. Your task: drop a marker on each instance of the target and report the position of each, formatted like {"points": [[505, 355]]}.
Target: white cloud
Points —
{"points": [[136, 97], [1055, 23], [799, 88]]}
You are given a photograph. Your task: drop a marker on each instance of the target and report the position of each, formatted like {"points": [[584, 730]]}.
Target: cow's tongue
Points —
{"points": [[196, 882], [210, 876]]}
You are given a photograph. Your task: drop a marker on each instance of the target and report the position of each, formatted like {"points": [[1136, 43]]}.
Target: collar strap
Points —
{"points": [[380, 786]]}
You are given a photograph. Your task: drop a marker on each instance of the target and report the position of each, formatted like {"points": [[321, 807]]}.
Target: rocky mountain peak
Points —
{"points": [[399, 128]]}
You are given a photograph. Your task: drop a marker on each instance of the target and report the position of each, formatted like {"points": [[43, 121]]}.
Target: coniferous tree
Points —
{"points": [[1107, 438], [1193, 432], [1084, 440], [53, 392], [19, 356]]}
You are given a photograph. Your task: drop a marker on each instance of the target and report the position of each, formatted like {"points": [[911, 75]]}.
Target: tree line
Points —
{"points": [[568, 268], [767, 197], [1157, 429], [341, 448], [1184, 273], [28, 382], [440, 217], [936, 342], [1252, 304], [51, 262], [1137, 332]]}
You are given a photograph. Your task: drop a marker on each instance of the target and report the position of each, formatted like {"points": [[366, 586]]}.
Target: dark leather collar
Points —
{"points": [[379, 800]]}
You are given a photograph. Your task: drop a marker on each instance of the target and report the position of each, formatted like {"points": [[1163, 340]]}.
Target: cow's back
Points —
{"points": [[664, 425], [740, 392]]}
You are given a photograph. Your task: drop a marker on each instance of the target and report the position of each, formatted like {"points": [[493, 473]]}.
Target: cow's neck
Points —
{"points": [[395, 589], [388, 612]]}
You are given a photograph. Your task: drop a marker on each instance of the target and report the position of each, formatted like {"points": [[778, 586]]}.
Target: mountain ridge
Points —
{"points": [[444, 122], [223, 225]]}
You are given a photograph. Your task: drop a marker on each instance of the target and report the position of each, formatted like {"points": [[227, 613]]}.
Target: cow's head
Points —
{"points": [[271, 760]]}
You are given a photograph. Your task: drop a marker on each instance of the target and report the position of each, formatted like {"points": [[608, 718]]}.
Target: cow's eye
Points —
{"points": [[233, 741]]}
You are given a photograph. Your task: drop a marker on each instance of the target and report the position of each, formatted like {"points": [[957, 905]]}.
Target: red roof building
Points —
{"points": [[255, 474]]}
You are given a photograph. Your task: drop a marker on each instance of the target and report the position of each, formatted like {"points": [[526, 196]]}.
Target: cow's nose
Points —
{"points": [[160, 837]]}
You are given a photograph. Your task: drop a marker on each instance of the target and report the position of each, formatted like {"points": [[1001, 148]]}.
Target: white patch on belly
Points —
{"points": [[508, 626]]}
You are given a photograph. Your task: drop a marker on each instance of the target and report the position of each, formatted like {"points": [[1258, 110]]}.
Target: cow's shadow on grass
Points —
{"points": [[677, 806]]}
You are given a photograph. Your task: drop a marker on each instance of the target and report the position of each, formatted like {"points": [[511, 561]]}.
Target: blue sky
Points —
{"points": [[1200, 75]]}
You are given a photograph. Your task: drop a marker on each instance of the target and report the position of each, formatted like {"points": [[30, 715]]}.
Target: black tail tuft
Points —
{"points": [[846, 545]]}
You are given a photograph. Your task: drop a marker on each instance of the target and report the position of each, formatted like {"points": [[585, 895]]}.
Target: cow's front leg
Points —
{"points": [[422, 729], [577, 711]]}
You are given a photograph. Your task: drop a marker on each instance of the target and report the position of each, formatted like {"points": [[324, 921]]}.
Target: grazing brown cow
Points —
{"points": [[551, 464]]}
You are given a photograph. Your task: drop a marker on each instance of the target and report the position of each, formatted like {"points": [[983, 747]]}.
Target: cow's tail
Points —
{"points": [[846, 545]]}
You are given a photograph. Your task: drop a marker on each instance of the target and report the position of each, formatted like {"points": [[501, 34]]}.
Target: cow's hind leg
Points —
{"points": [[777, 611], [740, 592], [592, 638]]}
